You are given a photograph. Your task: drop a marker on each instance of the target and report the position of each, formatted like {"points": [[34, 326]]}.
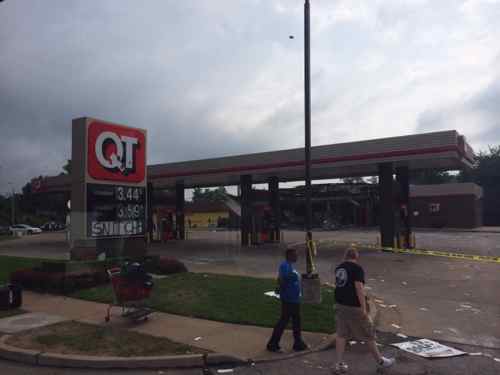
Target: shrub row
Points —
{"points": [[53, 277], [164, 265], [56, 282]]}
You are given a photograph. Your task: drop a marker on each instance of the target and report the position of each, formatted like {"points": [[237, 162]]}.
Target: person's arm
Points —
{"points": [[282, 277], [360, 292]]}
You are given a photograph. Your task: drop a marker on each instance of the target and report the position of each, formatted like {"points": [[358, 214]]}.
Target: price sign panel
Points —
{"points": [[115, 211], [109, 179]]}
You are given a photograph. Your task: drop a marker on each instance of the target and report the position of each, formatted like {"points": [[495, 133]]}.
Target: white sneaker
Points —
{"points": [[341, 368], [386, 362]]}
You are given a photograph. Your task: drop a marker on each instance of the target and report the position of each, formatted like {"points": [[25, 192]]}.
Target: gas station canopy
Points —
{"points": [[444, 150]]}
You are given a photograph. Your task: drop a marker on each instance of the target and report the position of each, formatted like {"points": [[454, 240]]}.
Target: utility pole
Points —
{"points": [[307, 99]]}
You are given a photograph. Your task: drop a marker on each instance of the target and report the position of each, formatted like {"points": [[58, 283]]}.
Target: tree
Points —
{"points": [[432, 177], [212, 195], [67, 167], [197, 194], [486, 173]]}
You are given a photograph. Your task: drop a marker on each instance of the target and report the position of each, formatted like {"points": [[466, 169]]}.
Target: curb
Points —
{"points": [[330, 344], [38, 358], [324, 346]]}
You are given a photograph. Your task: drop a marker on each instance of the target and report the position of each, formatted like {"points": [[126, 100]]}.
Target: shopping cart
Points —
{"points": [[130, 295]]}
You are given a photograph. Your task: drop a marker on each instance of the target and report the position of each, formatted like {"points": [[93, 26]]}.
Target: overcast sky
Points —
{"points": [[209, 78]]}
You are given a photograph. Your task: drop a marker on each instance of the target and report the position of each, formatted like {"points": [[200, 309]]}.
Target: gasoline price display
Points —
{"points": [[115, 211]]}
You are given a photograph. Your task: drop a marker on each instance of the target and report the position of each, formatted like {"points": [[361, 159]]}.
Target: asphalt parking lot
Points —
{"points": [[434, 297]]}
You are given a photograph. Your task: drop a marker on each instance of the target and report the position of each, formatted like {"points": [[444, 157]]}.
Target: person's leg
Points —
{"points": [[372, 346], [299, 343], [340, 348], [280, 327]]}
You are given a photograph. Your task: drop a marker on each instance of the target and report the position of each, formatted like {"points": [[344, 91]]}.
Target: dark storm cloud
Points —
{"points": [[164, 66], [208, 78]]}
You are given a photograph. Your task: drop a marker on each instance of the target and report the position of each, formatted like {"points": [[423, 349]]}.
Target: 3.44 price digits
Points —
{"points": [[128, 194]]}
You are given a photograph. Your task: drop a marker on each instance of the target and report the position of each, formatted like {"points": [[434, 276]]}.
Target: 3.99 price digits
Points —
{"points": [[130, 211]]}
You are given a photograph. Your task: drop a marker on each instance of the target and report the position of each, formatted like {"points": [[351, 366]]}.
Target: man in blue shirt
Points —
{"points": [[290, 294]]}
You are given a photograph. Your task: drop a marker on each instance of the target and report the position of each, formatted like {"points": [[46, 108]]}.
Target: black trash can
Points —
{"points": [[16, 296], [4, 297]]}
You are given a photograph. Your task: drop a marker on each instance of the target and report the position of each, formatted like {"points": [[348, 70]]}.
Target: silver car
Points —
{"points": [[23, 229]]}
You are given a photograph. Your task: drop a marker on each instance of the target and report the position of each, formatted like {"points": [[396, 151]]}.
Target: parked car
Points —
{"points": [[52, 226], [4, 230], [24, 229]]}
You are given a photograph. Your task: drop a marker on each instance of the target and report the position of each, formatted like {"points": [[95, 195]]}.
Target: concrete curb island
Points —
{"points": [[39, 358]]}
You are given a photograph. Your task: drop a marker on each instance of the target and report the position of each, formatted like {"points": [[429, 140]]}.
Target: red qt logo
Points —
{"points": [[116, 153]]}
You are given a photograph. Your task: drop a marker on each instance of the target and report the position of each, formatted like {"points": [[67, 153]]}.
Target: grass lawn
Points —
{"points": [[6, 237], [9, 264], [88, 339], [225, 298], [9, 313]]}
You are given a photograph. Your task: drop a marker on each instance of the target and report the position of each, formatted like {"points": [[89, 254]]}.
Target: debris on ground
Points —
{"points": [[272, 294], [428, 349]]}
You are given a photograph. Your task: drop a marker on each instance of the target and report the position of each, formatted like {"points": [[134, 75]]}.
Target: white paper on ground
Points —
{"points": [[478, 353], [197, 338], [428, 349], [225, 371], [272, 294], [424, 309], [395, 326], [403, 336]]}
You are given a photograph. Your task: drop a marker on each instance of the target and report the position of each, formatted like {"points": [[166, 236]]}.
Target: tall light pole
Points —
{"points": [[307, 99]]}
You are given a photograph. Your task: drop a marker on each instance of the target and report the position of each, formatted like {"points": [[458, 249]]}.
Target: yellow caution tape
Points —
{"points": [[437, 253]]}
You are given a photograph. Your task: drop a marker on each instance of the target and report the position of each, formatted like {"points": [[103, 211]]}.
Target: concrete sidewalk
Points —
{"points": [[244, 342]]}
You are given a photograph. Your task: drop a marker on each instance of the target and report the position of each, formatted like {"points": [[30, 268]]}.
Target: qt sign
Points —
{"points": [[116, 153]]}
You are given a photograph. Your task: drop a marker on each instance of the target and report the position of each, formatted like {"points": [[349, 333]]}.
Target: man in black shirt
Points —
{"points": [[352, 320]]}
